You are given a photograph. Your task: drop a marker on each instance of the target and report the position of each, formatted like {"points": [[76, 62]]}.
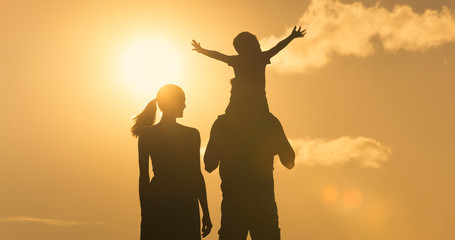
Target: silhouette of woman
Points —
{"points": [[169, 202]]}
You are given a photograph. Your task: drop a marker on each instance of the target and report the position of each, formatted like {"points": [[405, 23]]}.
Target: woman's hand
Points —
{"points": [[196, 45], [206, 225], [298, 33]]}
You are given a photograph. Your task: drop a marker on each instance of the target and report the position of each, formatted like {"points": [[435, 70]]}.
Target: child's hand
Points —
{"points": [[196, 45], [297, 33]]}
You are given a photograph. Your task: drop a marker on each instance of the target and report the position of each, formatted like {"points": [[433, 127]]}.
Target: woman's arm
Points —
{"points": [[209, 53], [144, 178], [206, 222], [202, 192], [295, 34]]}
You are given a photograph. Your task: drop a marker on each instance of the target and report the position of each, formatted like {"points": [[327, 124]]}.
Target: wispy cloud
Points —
{"points": [[353, 29], [334, 152], [49, 221]]}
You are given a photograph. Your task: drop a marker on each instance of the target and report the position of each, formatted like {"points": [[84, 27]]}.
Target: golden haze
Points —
{"points": [[68, 163]]}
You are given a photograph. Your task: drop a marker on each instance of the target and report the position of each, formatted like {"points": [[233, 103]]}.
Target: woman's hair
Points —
{"points": [[165, 96], [246, 42]]}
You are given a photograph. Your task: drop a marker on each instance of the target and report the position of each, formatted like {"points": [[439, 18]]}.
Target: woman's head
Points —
{"points": [[170, 99], [246, 43]]}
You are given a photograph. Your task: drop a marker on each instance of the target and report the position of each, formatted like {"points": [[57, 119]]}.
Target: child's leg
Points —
{"points": [[281, 143], [247, 103]]}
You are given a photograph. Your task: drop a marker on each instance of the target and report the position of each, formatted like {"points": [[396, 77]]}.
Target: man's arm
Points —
{"points": [[282, 145], [287, 155], [295, 34], [209, 53], [212, 152]]}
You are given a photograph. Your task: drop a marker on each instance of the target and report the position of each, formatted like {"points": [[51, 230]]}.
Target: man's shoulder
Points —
{"points": [[222, 117]]}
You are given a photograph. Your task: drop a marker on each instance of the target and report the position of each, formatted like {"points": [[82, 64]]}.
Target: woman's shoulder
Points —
{"points": [[188, 130], [147, 132], [189, 133], [158, 131]]}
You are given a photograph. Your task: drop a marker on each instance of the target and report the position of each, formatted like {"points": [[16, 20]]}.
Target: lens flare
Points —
{"points": [[329, 194], [352, 198]]}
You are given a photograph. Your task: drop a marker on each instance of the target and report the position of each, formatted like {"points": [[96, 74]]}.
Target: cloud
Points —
{"points": [[336, 28], [56, 222], [334, 152]]}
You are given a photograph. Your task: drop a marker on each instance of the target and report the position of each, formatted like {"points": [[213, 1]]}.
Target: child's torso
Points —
{"points": [[249, 74]]}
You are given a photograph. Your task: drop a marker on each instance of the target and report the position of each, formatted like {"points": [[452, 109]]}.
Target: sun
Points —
{"points": [[150, 63]]}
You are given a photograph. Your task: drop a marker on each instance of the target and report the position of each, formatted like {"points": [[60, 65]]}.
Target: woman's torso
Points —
{"points": [[174, 152]]}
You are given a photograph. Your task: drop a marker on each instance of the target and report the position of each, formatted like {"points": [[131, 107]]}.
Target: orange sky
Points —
{"points": [[366, 99]]}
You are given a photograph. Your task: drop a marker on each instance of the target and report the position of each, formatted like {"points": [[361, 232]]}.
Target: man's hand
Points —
{"points": [[296, 33], [196, 45]]}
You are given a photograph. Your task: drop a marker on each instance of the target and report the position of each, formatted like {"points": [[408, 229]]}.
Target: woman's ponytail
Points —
{"points": [[145, 119]]}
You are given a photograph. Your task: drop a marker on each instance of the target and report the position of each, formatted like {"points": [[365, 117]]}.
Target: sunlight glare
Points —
{"points": [[329, 194], [352, 198], [150, 63]]}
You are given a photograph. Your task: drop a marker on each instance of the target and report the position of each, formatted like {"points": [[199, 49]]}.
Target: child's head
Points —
{"points": [[246, 43]]}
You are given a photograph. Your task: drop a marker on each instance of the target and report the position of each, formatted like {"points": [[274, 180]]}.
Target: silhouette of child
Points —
{"points": [[248, 100], [248, 87]]}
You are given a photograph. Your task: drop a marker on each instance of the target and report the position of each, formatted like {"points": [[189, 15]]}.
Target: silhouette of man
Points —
{"points": [[244, 148]]}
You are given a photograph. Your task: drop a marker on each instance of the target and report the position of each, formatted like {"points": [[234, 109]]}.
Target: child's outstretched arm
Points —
{"points": [[209, 53], [296, 33]]}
